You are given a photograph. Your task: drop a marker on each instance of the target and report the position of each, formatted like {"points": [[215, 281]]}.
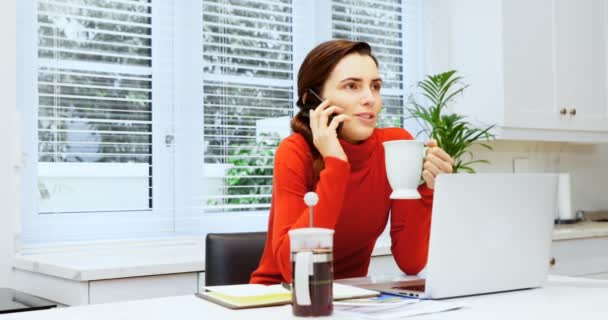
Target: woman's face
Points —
{"points": [[354, 85]]}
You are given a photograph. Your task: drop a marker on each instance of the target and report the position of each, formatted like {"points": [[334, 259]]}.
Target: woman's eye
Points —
{"points": [[351, 86], [376, 87]]}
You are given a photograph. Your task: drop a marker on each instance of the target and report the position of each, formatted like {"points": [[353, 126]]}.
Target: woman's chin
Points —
{"points": [[357, 135]]}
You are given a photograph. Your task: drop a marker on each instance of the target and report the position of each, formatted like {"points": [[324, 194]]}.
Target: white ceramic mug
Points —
{"points": [[403, 160]]}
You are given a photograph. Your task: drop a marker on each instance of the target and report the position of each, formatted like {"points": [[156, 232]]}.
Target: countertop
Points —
{"points": [[116, 261], [187, 256], [127, 260], [580, 230]]}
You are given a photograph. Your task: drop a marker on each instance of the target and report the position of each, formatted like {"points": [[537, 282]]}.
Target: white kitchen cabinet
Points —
{"points": [[73, 292], [580, 257], [113, 290], [537, 69], [580, 62]]}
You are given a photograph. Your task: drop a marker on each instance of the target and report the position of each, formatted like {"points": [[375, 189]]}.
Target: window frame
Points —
{"points": [[100, 225], [179, 177]]}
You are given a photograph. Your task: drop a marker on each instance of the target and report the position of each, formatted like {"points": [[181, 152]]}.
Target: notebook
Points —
{"points": [[243, 296]]}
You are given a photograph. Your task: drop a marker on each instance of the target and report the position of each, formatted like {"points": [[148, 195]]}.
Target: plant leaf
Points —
{"points": [[452, 131]]}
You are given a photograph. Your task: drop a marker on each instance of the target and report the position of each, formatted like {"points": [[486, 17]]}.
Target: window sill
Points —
{"points": [[123, 260]]}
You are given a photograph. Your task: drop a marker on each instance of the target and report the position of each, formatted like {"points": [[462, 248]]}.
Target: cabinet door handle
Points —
{"points": [[563, 111], [573, 112], [552, 261]]}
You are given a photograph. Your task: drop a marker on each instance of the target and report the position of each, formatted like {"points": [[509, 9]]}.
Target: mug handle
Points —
{"points": [[304, 268]]}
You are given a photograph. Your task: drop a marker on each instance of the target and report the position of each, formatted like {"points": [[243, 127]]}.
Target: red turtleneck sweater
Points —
{"points": [[353, 200]]}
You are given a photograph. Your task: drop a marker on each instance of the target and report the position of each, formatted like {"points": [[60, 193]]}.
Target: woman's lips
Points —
{"points": [[366, 117]]}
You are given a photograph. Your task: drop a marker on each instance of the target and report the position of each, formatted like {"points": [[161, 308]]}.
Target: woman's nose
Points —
{"points": [[367, 98]]}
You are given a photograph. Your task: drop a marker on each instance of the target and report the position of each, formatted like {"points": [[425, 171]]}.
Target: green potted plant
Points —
{"points": [[453, 132]]}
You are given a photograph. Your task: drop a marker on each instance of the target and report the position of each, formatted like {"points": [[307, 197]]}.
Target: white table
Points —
{"points": [[561, 298]]}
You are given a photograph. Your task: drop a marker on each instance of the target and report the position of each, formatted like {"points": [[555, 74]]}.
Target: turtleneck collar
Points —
{"points": [[359, 154]]}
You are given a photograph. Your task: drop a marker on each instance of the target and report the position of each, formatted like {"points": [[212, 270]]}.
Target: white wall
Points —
{"points": [[586, 163], [8, 133]]}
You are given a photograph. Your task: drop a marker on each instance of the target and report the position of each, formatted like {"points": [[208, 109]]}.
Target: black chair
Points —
{"points": [[230, 258]]}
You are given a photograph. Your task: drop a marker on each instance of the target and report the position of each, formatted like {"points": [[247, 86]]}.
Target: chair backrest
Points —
{"points": [[230, 258]]}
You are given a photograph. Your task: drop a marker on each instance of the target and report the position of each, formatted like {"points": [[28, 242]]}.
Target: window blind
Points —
{"points": [[94, 82], [379, 23], [248, 99]]}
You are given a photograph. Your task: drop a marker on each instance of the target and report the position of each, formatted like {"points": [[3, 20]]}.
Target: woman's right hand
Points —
{"points": [[325, 135]]}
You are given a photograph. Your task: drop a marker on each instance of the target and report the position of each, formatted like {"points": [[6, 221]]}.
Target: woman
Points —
{"points": [[345, 167]]}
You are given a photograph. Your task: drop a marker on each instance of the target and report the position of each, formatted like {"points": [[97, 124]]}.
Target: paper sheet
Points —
{"points": [[396, 310]]}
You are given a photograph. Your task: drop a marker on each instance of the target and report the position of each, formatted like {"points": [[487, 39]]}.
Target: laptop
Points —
{"points": [[489, 233]]}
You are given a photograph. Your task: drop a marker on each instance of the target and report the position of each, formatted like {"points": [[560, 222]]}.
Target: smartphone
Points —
{"points": [[320, 101]]}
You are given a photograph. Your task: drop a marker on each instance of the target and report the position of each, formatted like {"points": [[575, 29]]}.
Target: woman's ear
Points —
{"points": [[304, 96]]}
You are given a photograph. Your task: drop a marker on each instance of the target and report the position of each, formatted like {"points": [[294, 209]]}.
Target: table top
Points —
{"points": [[16, 301], [560, 298]]}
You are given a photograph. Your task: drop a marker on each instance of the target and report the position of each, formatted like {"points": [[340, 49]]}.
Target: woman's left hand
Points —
{"points": [[437, 161]]}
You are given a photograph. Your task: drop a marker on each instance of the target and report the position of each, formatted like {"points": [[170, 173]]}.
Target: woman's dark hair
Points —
{"points": [[314, 71]]}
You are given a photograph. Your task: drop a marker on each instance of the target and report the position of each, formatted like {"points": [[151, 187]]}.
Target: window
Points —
{"points": [[94, 126], [248, 99], [94, 106], [161, 117]]}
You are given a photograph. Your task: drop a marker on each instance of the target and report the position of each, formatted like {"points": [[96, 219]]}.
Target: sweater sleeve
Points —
{"points": [[410, 230], [410, 220], [290, 211]]}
